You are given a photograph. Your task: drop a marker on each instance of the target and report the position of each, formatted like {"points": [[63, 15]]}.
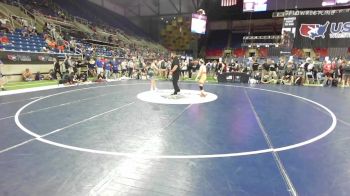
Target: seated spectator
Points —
{"points": [[44, 49], [60, 45], [288, 73], [50, 76], [101, 77], [82, 77], [32, 31], [50, 42], [299, 76], [66, 79], [273, 69], [25, 32], [4, 40], [38, 76], [27, 75]]}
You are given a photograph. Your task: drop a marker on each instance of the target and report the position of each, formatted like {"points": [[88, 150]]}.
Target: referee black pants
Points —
{"points": [[175, 83]]}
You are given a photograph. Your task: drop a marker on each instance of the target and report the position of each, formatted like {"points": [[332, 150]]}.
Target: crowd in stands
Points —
{"points": [[330, 72], [114, 41], [335, 72]]}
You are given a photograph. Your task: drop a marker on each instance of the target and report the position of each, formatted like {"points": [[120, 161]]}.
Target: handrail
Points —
{"points": [[27, 13]]}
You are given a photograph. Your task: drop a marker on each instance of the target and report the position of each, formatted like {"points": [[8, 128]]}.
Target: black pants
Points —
{"points": [[175, 81], [57, 71], [130, 72]]}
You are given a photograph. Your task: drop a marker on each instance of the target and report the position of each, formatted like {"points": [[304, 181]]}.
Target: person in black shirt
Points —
{"points": [[288, 76], [272, 69], [175, 71], [255, 65], [255, 68], [346, 74], [265, 70], [57, 68]]}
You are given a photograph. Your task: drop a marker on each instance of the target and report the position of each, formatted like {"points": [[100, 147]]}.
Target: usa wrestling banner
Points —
{"points": [[13, 57], [321, 29], [8, 57]]}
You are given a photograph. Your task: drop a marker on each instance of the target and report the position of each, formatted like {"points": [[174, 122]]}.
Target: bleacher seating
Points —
{"points": [[100, 16], [20, 43]]}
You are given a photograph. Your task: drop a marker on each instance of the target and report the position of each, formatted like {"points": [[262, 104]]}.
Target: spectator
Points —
{"points": [[66, 79], [328, 71], [92, 68], [340, 70], [265, 69], [101, 77], [25, 32], [56, 68], [27, 75], [299, 76], [3, 79], [130, 67], [4, 40], [44, 49], [107, 69], [115, 68], [124, 67], [38, 76], [82, 77], [272, 69], [346, 74], [99, 65], [32, 31], [60, 45], [288, 73], [68, 64], [50, 76]]}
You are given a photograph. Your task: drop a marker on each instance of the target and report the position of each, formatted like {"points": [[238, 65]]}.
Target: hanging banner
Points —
{"points": [[288, 34], [321, 29]]}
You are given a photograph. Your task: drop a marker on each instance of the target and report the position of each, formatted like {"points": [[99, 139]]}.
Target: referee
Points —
{"points": [[175, 71]]}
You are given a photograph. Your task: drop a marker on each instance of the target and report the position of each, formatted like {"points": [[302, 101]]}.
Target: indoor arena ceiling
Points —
{"points": [[158, 7]]}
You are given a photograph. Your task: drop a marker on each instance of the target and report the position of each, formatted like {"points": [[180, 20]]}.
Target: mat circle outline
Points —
{"points": [[203, 156]]}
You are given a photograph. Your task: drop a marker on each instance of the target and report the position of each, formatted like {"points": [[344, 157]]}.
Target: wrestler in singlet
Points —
{"points": [[202, 74]]}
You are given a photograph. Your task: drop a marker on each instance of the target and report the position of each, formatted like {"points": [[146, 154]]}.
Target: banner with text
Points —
{"points": [[320, 29]]}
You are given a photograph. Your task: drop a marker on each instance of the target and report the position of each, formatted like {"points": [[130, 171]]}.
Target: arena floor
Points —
{"points": [[102, 139]]}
